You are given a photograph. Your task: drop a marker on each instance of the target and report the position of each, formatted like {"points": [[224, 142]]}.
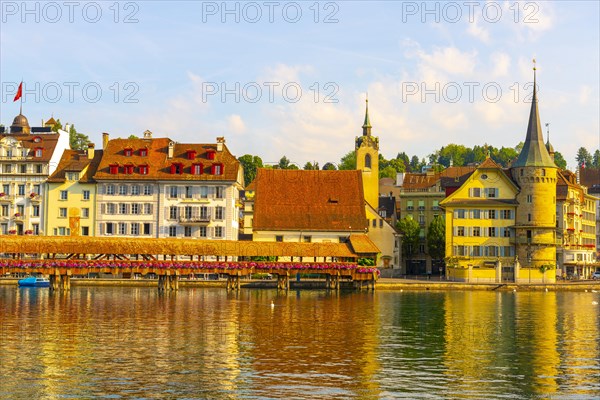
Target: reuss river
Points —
{"points": [[206, 343]]}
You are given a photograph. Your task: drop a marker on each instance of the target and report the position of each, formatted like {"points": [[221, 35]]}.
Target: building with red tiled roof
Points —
{"points": [[71, 190], [155, 187], [28, 155]]}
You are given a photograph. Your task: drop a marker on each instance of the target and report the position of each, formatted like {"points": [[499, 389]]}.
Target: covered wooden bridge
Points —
{"points": [[62, 257]]}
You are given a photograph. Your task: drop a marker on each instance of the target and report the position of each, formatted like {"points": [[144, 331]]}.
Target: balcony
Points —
{"points": [[6, 198], [193, 199], [19, 217], [195, 219], [35, 198]]}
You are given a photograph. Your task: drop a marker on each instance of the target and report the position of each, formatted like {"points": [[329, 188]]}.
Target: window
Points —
{"points": [[460, 231], [7, 168], [38, 168], [122, 228], [21, 190], [21, 209], [476, 252], [202, 231], [219, 192], [374, 223], [191, 154], [459, 251], [529, 217], [135, 229], [85, 212], [147, 208], [173, 192], [110, 189], [143, 170], [491, 251], [196, 169], [4, 211], [218, 212], [203, 192], [492, 214], [219, 231], [85, 231], [38, 152], [210, 154], [62, 212], [217, 169], [110, 208], [36, 229], [6, 189], [279, 238], [113, 169], [64, 195], [36, 189], [135, 190], [530, 198], [492, 192], [476, 192], [143, 152], [172, 212], [109, 228], [147, 228], [86, 195], [72, 176], [135, 208], [459, 213], [127, 152], [506, 214], [409, 205], [187, 231], [204, 213], [492, 231], [172, 231], [476, 214], [367, 161], [177, 168], [123, 208], [506, 232], [128, 169], [122, 190], [476, 231], [188, 192], [23, 168], [421, 205], [307, 239], [422, 248], [147, 190], [62, 231]]}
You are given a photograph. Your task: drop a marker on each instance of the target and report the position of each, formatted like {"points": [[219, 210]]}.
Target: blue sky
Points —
{"points": [[436, 73]]}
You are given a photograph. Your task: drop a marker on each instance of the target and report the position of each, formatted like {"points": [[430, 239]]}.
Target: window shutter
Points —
{"points": [[102, 209]]}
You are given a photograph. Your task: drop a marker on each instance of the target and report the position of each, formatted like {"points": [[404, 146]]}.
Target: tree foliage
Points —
{"points": [[560, 161], [56, 126], [410, 229], [436, 238], [348, 161], [584, 157], [78, 141], [285, 163], [251, 164], [328, 167]]}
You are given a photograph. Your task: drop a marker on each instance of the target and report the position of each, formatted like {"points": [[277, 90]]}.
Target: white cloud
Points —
{"points": [[584, 94], [500, 64], [477, 31], [236, 124]]}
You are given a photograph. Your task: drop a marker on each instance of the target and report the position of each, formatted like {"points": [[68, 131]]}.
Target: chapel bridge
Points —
{"points": [[169, 259]]}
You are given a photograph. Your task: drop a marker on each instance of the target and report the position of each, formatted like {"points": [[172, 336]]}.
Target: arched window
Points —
{"points": [[368, 161]]}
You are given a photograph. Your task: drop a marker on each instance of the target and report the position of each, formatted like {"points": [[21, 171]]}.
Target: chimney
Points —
{"points": [[399, 178], [220, 143], [170, 150], [90, 151], [104, 140]]}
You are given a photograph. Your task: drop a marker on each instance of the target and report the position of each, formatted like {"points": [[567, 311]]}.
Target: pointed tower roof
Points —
{"points": [[367, 124], [534, 153]]}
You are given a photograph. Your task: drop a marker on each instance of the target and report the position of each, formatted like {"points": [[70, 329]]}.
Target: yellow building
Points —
{"points": [[479, 220], [367, 161], [71, 194]]}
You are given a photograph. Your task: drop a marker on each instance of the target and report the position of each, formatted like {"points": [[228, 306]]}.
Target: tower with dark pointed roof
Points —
{"points": [[367, 160], [535, 173]]}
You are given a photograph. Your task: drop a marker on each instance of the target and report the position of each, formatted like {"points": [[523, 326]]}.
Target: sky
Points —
{"points": [[290, 78]]}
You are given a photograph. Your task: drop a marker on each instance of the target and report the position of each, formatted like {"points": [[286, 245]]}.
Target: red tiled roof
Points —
{"points": [[47, 143], [76, 161], [159, 165], [309, 200]]}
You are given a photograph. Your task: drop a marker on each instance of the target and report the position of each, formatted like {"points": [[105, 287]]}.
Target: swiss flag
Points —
{"points": [[19, 92]]}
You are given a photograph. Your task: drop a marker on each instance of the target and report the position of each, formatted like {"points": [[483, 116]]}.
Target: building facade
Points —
{"points": [[70, 203], [28, 155], [158, 188]]}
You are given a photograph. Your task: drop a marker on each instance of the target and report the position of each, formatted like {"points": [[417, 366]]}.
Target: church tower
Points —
{"points": [[367, 160], [535, 221]]}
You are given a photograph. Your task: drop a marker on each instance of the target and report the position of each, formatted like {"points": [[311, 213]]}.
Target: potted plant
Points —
{"points": [[12, 232], [17, 215]]}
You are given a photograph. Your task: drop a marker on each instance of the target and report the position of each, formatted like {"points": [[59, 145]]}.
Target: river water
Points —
{"points": [[206, 343]]}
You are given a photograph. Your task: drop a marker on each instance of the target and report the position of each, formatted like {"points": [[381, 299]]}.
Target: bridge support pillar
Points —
{"points": [[161, 283], [65, 282], [283, 282], [172, 281], [332, 282], [233, 282]]}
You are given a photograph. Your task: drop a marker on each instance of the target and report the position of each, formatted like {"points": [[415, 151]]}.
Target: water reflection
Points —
{"points": [[207, 343]]}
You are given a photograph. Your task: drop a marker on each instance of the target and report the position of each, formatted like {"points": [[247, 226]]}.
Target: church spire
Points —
{"points": [[534, 152], [367, 124]]}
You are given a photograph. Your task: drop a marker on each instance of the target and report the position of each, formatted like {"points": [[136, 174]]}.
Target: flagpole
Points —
{"points": [[21, 98]]}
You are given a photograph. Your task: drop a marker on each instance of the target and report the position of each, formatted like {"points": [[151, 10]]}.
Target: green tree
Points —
{"points": [[387, 172], [132, 137], [77, 141], [311, 166], [415, 164], [403, 157], [329, 167], [596, 159], [410, 229], [454, 152], [436, 238], [251, 164], [583, 157], [285, 163], [560, 161], [348, 161], [505, 156]]}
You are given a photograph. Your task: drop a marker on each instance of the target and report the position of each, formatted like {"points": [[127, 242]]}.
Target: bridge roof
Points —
{"points": [[357, 246]]}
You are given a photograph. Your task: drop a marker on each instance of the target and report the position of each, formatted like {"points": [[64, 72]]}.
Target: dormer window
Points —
{"points": [[113, 169], [210, 154], [177, 168], [143, 152], [38, 152], [127, 152], [191, 154], [217, 169], [196, 169], [143, 169], [128, 169]]}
